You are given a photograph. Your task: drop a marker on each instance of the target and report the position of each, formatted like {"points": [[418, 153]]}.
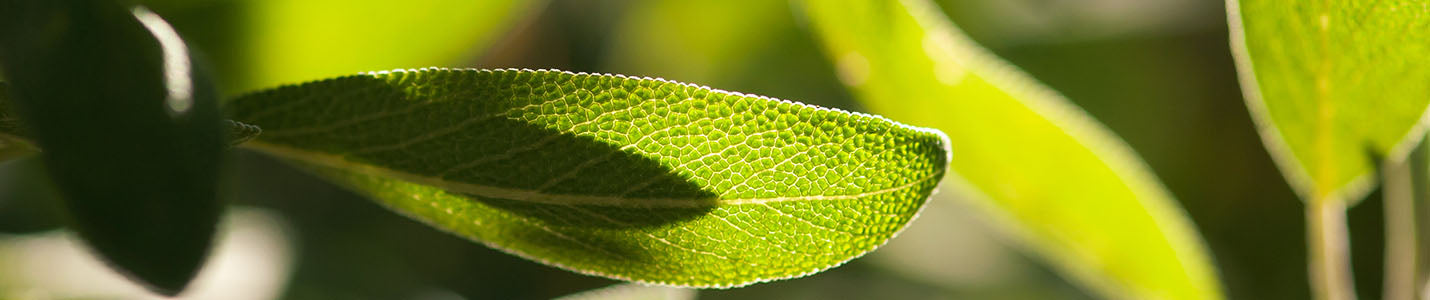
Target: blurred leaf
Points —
{"points": [[1065, 185], [763, 51], [30, 203], [13, 144], [293, 41], [15, 140], [1407, 226], [633, 291], [654, 37], [637, 179], [251, 261], [1420, 162], [1335, 86], [130, 132]]}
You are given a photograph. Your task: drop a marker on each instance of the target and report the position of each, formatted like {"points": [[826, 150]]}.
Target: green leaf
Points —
{"points": [[652, 38], [632, 291], [131, 133], [1335, 87], [1049, 174], [638, 179], [291, 41]]}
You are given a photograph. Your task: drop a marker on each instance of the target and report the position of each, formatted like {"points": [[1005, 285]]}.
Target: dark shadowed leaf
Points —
{"points": [[130, 131]]}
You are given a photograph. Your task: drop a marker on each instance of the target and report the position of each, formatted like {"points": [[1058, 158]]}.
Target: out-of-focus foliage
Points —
{"points": [[131, 134], [251, 261], [1407, 233], [289, 42], [633, 291], [264, 43], [1060, 181], [1336, 87], [764, 51]]}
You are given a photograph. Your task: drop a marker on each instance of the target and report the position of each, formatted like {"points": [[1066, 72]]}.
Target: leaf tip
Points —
{"points": [[239, 132]]}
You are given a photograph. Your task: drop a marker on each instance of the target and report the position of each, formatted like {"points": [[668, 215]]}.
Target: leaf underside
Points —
{"points": [[1336, 86], [1051, 175], [630, 178]]}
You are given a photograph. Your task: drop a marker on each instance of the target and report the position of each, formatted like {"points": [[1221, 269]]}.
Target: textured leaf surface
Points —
{"points": [[1057, 179], [132, 141], [1335, 86], [630, 178]]}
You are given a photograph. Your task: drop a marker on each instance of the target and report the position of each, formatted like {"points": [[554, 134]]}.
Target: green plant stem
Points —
{"points": [[1406, 195], [1330, 253]]}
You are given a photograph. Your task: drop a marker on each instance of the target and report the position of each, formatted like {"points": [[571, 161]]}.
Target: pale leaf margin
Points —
{"points": [[1297, 176]]}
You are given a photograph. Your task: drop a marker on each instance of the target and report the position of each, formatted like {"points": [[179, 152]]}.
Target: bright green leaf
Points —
{"points": [[1058, 180], [1335, 86], [630, 178], [292, 41], [138, 171]]}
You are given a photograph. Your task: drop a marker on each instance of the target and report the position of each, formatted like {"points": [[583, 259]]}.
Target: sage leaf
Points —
{"points": [[138, 170], [1047, 173], [1335, 87], [638, 179]]}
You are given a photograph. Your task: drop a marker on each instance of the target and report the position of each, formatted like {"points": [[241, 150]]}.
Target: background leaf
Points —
{"points": [[139, 174], [632, 291], [752, 46], [293, 41], [1335, 86], [1060, 181], [638, 179]]}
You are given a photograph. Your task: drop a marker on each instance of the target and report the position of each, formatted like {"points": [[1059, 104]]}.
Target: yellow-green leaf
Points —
{"points": [[293, 41], [631, 178], [1068, 187], [1335, 86]]}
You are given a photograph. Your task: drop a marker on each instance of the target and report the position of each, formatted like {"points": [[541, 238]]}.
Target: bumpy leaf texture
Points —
{"points": [[630, 178]]}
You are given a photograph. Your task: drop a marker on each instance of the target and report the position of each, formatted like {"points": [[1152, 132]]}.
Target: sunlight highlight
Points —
{"points": [[177, 68]]}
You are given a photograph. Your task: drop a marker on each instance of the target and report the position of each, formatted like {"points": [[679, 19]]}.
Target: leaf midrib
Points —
{"points": [[534, 196]]}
